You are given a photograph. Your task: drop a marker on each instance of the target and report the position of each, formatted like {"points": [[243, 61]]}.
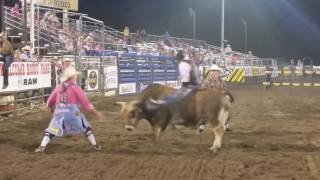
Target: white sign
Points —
{"points": [[93, 80], [60, 4], [111, 77], [127, 88], [173, 84], [27, 76]]}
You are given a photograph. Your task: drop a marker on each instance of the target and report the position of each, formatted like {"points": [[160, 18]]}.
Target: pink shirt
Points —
{"points": [[75, 95], [15, 12]]}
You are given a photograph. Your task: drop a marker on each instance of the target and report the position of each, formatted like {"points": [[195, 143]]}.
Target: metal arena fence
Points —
{"points": [[30, 83]]}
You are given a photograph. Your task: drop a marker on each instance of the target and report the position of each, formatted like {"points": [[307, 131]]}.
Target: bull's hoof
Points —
{"points": [[214, 149]]}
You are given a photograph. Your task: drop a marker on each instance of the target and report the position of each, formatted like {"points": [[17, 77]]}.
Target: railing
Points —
{"points": [[46, 37]]}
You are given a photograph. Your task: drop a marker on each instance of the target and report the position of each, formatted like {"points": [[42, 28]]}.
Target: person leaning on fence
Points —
{"points": [[67, 119], [6, 56]]}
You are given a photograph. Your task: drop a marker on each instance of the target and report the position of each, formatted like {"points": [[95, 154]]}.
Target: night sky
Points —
{"points": [[276, 28]]}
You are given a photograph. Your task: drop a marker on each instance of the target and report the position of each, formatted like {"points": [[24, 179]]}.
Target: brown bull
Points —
{"points": [[205, 105]]}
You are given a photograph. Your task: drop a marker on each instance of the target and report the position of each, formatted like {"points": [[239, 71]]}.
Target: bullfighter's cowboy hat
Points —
{"points": [[69, 73]]}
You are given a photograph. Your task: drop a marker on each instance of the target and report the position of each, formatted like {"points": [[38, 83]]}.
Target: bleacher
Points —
{"points": [[80, 34]]}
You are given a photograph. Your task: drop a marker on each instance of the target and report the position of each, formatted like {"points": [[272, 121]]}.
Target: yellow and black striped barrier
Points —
{"points": [[308, 84], [237, 75]]}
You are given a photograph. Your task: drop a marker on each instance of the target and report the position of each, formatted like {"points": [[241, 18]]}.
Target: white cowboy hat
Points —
{"points": [[67, 59], [187, 58], [26, 48], [215, 67], [68, 73]]}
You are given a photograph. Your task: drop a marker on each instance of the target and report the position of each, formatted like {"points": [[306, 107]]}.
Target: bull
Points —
{"points": [[203, 105]]}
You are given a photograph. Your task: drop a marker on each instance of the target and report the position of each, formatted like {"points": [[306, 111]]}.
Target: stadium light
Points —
{"points": [[192, 13], [222, 26], [2, 15], [245, 25]]}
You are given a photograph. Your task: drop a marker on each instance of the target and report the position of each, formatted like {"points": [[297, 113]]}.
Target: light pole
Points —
{"points": [[32, 34], [245, 25], [2, 15], [25, 27], [222, 26], [193, 14]]}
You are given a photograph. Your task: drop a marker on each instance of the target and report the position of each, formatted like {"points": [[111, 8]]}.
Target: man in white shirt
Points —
{"points": [[189, 80]]}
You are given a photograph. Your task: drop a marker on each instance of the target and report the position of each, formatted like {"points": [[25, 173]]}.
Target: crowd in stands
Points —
{"points": [[95, 43]]}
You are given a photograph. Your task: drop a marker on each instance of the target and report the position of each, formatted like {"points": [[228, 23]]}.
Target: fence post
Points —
{"points": [[42, 96], [15, 104]]}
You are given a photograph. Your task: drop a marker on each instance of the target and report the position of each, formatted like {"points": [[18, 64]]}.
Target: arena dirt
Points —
{"points": [[275, 135]]}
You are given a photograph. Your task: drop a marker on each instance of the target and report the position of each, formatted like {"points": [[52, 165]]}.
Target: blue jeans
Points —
{"points": [[177, 95], [7, 60]]}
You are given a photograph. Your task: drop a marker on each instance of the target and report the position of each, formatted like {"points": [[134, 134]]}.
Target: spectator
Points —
{"points": [[126, 32], [15, 10], [53, 20], [6, 55], [228, 49], [43, 24], [98, 49], [166, 38], [25, 55], [138, 35], [143, 34], [299, 63], [16, 56]]}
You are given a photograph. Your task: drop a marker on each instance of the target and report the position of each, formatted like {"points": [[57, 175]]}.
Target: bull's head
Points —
{"points": [[131, 114]]}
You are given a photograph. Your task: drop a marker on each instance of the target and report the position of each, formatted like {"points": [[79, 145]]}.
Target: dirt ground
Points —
{"points": [[275, 135]]}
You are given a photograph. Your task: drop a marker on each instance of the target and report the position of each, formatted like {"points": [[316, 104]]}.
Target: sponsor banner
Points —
{"points": [[110, 93], [316, 69], [111, 77], [160, 82], [109, 60], [127, 69], [59, 4], [173, 84], [127, 88], [89, 63], [27, 76], [237, 75], [226, 72], [92, 78], [255, 71]]}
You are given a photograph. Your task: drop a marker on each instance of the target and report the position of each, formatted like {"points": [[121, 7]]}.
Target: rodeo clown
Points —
{"points": [[213, 80], [67, 119]]}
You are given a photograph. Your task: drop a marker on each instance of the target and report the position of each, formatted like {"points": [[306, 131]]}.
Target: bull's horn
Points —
{"points": [[121, 103], [135, 102], [112, 113]]}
